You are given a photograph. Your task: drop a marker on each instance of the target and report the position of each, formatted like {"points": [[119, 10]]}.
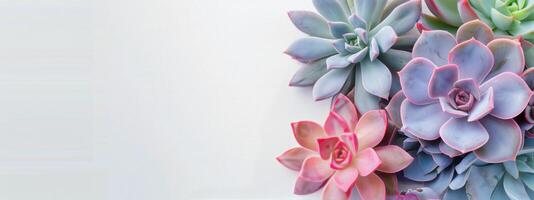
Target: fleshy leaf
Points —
{"points": [[386, 38], [511, 168], [358, 56], [326, 146], [483, 180], [310, 23], [310, 49], [304, 186], [315, 169], [308, 74], [445, 10], [504, 142], [482, 107], [331, 83], [393, 158], [417, 121], [366, 161], [345, 178], [332, 191], [514, 188], [442, 80], [467, 13], [345, 108], [338, 29], [460, 180], [357, 21], [470, 86], [376, 78], [473, 58], [393, 109], [441, 183], [351, 141], [331, 10], [294, 157], [374, 50], [335, 125], [370, 11], [511, 94], [462, 135], [337, 62], [402, 18], [306, 133], [500, 20], [363, 100], [434, 45], [466, 162], [371, 128], [415, 78], [421, 169], [371, 187], [508, 56], [475, 29], [447, 150]]}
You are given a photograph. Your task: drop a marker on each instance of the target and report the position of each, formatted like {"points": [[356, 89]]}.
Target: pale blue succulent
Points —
{"points": [[464, 91], [354, 44]]}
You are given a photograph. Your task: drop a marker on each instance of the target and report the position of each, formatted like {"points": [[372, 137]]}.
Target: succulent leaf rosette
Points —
{"points": [[344, 154], [465, 91], [354, 44], [506, 17]]}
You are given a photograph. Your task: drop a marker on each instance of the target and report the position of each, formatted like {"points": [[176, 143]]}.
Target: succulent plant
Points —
{"points": [[354, 44], [466, 90], [506, 17], [526, 120], [344, 155]]}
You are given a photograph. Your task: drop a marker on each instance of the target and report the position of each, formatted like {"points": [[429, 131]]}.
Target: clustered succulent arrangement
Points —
{"points": [[434, 105]]}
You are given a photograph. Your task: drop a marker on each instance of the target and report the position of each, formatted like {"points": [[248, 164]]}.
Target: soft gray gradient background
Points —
{"points": [[148, 100]]}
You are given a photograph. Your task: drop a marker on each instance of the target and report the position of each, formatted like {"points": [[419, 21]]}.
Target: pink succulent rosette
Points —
{"points": [[344, 154]]}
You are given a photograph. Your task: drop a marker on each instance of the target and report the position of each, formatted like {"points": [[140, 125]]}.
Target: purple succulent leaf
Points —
{"points": [[441, 183], [462, 135], [337, 61], [473, 58], [307, 50], [475, 29], [511, 168], [331, 10], [447, 150], [446, 107], [338, 29], [386, 38], [370, 11], [377, 79], [363, 100], [357, 21], [470, 86], [421, 169], [358, 56], [511, 94], [460, 180], [467, 13], [415, 78], [482, 107], [308, 74], [434, 45], [402, 18], [446, 10], [455, 194], [310, 23], [395, 59], [442, 80], [432, 149], [514, 188], [417, 121], [504, 142], [466, 163], [483, 180], [331, 83], [508, 56], [374, 50], [442, 161]]}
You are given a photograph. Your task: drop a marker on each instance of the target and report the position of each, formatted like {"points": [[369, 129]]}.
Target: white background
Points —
{"points": [[148, 100]]}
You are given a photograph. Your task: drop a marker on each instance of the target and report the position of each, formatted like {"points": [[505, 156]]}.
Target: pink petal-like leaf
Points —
{"points": [[371, 187], [462, 135], [371, 128], [442, 80], [326, 146], [294, 157], [366, 161], [467, 13], [351, 140], [306, 133], [505, 139], [414, 80], [423, 121], [393, 109], [346, 178], [332, 191], [335, 125], [315, 169], [304, 186], [511, 94], [393, 158]]}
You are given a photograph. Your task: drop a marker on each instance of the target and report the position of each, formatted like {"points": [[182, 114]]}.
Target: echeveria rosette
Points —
{"points": [[344, 154], [506, 17], [466, 90], [354, 45]]}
